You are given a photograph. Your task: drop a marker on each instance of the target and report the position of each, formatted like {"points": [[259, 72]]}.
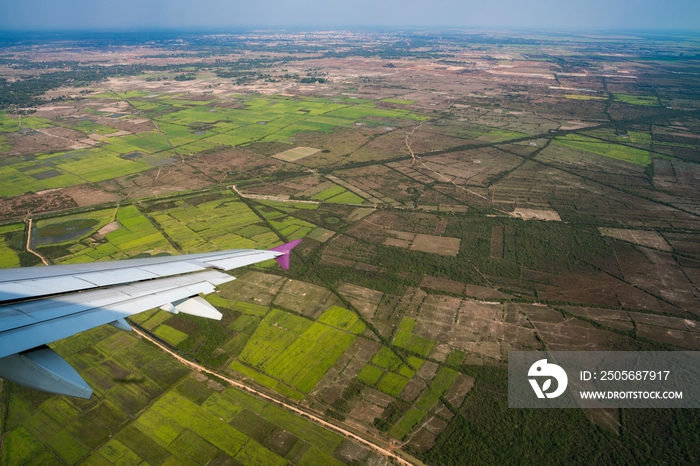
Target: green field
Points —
{"points": [[440, 384], [615, 151], [10, 123], [4, 146], [148, 409], [407, 422], [644, 100], [169, 334], [291, 227], [392, 384], [10, 244], [271, 118], [62, 169], [370, 374], [219, 224], [90, 127], [134, 235], [499, 135], [184, 128], [406, 339], [298, 351], [399, 101]]}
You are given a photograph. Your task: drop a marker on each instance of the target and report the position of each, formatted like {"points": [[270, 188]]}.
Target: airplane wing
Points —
{"points": [[39, 305]]}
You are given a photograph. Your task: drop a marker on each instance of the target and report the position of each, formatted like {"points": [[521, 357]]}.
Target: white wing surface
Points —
{"points": [[39, 305]]}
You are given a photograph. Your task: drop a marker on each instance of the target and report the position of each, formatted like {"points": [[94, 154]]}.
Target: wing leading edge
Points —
{"points": [[42, 305]]}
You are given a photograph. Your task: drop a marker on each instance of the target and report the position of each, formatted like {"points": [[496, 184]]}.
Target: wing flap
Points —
{"points": [[198, 306]]}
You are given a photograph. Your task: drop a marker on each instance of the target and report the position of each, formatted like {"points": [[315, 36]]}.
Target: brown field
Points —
{"points": [[292, 155], [650, 239], [537, 214], [426, 243], [364, 299], [436, 244]]}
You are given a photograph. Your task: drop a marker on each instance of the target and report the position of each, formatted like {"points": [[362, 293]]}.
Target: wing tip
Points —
{"points": [[285, 249]]}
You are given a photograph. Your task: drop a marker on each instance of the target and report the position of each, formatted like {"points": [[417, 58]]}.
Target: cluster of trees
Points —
{"points": [[185, 77], [313, 80], [488, 432], [26, 91]]}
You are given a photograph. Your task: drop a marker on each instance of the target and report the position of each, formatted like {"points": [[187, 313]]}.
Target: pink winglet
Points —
{"points": [[283, 261]]}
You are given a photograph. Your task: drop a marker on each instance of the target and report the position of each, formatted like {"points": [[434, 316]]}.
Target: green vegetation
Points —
{"points": [[10, 123], [406, 339], [414, 362], [615, 151], [298, 351], [440, 384], [90, 127], [387, 359], [392, 384], [499, 135], [282, 118], [407, 422], [202, 225], [323, 439], [19, 447], [289, 226], [11, 243], [455, 358], [645, 100], [583, 97], [342, 319], [370, 374], [73, 239], [169, 334], [338, 195], [399, 101], [315, 457]]}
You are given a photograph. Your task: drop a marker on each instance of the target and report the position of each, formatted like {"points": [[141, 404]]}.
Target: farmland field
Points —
{"points": [[627, 154], [459, 196], [10, 245], [297, 351], [646, 100]]}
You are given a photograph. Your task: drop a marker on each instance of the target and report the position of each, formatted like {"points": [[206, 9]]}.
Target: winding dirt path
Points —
{"points": [[29, 244], [446, 179], [264, 197]]}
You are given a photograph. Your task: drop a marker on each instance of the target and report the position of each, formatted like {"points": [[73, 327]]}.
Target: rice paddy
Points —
{"points": [[149, 409], [615, 151], [183, 128], [113, 234], [223, 223], [298, 351], [338, 195], [10, 244], [644, 100], [406, 339]]}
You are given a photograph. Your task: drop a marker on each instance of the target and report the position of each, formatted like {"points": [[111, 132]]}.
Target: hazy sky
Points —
{"points": [[319, 14]]}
